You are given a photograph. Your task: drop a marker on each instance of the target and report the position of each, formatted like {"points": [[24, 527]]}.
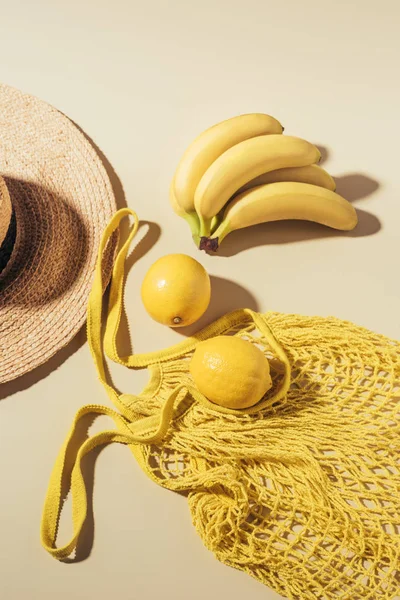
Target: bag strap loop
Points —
{"points": [[129, 429]]}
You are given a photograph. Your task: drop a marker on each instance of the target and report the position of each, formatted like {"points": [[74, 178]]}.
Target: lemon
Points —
{"points": [[230, 371], [176, 290]]}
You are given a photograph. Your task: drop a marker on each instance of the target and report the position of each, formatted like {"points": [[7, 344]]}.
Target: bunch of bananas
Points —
{"points": [[243, 171]]}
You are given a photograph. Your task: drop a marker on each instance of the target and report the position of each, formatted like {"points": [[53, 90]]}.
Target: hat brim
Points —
{"points": [[62, 200]]}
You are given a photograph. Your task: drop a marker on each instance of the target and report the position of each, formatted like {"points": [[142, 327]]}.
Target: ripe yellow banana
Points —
{"points": [[210, 144], [280, 201], [242, 163], [310, 174], [191, 218]]}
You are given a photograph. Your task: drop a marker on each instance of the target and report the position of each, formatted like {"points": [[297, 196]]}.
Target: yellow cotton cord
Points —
{"points": [[301, 491]]}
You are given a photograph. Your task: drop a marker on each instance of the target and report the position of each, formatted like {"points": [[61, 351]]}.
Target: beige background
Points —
{"points": [[142, 79]]}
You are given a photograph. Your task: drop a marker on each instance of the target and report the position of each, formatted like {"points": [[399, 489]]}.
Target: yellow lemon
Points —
{"points": [[230, 371], [176, 290]]}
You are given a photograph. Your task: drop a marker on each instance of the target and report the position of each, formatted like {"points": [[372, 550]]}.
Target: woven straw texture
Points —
{"points": [[5, 210], [302, 494], [62, 199]]}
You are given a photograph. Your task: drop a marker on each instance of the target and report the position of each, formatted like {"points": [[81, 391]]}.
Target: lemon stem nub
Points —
{"points": [[177, 320]]}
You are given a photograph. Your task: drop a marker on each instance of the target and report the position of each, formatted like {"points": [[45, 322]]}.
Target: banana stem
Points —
{"points": [[222, 231], [208, 244], [193, 221], [205, 227], [211, 244], [215, 222]]}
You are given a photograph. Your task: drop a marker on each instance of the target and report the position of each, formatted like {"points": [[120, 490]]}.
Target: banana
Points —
{"points": [[242, 163], [310, 174], [210, 144], [283, 200], [191, 218]]}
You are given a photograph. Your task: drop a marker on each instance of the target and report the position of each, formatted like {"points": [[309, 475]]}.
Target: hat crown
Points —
{"points": [[5, 210]]}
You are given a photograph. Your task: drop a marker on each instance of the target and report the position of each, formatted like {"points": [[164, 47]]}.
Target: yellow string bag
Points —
{"points": [[300, 491]]}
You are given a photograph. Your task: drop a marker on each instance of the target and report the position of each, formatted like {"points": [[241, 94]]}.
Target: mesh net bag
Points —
{"points": [[300, 491]]}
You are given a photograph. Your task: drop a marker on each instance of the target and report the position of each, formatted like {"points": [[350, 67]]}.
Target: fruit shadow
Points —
{"points": [[226, 296], [353, 186]]}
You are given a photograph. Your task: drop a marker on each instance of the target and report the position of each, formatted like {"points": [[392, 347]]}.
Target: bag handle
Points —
{"points": [[148, 430], [129, 429]]}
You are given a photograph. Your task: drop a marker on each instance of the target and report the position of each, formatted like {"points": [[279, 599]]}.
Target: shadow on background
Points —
{"points": [[226, 296], [355, 186], [324, 154]]}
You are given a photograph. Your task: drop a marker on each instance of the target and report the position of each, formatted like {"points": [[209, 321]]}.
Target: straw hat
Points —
{"points": [[55, 200]]}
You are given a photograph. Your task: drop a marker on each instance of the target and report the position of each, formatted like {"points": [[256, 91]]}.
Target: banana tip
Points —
{"points": [[208, 244]]}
